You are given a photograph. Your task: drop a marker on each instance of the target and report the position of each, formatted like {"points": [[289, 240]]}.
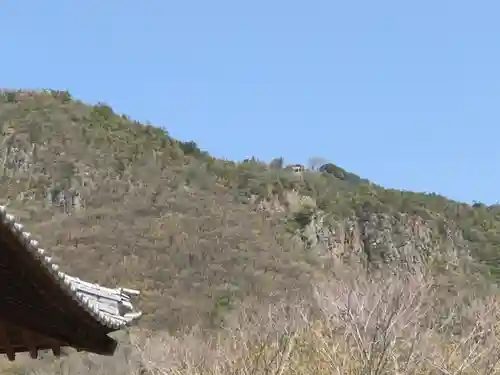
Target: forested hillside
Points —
{"points": [[119, 202]]}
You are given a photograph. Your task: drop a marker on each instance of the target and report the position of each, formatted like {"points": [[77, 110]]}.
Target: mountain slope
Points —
{"points": [[117, 201]]}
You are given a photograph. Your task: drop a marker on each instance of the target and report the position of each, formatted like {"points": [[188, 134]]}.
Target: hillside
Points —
{"points": [[120, 202], [116, 201]]}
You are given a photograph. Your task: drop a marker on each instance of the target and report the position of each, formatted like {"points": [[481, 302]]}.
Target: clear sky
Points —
{"points": [[405, 93]]}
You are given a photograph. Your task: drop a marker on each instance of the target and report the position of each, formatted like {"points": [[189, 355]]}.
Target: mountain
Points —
{"points": [[119, 202]]}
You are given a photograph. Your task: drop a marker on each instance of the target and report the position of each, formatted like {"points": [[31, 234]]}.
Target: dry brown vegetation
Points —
{"points": [[226, 289], [150, 216], [399, 324]]}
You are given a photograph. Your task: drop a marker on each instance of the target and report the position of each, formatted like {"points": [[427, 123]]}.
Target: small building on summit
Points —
{"points": [[43, 308], [296, 168]]}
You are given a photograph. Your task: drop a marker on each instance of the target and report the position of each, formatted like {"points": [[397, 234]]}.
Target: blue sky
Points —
{"points": [[405, 93]]}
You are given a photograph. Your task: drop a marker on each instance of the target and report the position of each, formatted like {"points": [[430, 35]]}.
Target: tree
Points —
{"points": [[315, 162], [277, 163], [332, 169]]}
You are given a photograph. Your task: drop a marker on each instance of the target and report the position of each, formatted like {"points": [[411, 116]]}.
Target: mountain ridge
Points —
{"points": [[174, 220]]}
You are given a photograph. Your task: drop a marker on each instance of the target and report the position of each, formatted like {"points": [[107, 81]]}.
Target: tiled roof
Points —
{"points": [[82, 312]]}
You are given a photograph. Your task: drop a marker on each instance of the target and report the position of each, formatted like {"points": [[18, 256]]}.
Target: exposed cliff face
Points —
{"points": [[376, 239], [400, 240]]}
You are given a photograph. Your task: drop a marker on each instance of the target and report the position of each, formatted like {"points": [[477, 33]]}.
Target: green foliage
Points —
{"points": [[64, 96], [68, 171], [300, 219], [340, 173], [103, 111], [10, 96], [191, 148]]}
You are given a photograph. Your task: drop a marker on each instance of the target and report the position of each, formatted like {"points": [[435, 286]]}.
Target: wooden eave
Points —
{"points": [[39, 306]]}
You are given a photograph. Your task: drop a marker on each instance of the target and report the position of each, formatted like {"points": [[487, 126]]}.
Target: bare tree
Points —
{"points": [[315, 162]]}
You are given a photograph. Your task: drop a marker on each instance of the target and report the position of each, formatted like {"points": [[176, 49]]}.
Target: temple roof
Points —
{"points": [[42, 307]]}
